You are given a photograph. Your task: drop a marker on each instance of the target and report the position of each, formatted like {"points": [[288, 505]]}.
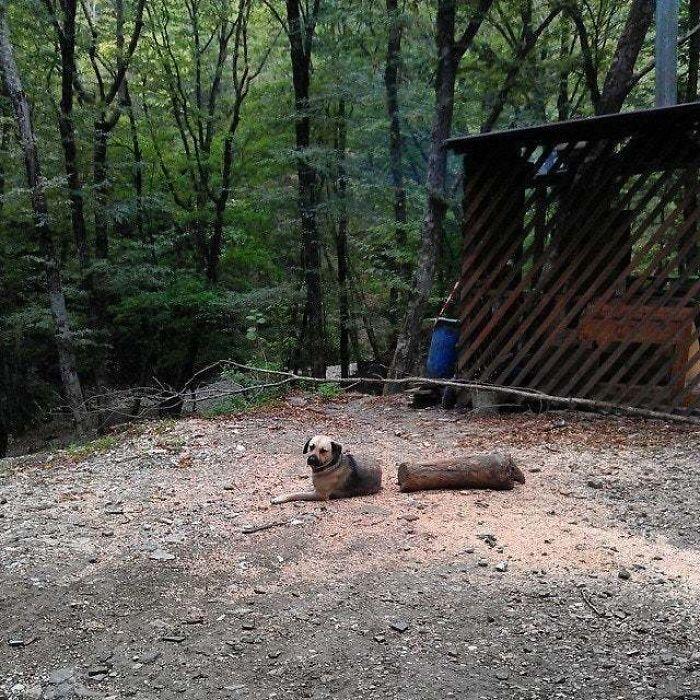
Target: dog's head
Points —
{"points": [[322, 451]]}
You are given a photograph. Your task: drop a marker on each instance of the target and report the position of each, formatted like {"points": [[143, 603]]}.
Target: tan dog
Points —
{"points": [[335, 474]]}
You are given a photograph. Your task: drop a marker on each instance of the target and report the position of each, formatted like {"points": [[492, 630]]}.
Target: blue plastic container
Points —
{"points": [[442, 355]]}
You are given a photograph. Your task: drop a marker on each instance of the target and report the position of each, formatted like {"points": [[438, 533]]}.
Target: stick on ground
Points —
{"points": [[250, 529]]}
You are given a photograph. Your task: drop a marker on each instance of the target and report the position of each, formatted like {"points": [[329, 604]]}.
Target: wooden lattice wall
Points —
{"points": [[581, 259]]}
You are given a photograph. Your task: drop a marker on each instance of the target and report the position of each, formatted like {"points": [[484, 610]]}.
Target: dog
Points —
{"points": [[335, 474]]}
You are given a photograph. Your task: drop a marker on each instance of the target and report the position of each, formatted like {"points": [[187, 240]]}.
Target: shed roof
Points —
{"points": [[605, 126]]}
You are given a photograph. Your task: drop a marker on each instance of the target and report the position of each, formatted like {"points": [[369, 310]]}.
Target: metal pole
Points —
{"points": [[666, 49]]}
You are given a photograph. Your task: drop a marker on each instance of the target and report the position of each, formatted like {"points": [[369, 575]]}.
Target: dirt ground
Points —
{"points": [[126, 571]]}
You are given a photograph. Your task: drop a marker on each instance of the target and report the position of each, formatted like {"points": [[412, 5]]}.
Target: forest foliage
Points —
{"points": [[252, 179]]}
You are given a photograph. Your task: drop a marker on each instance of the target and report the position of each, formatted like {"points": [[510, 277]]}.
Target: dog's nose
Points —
{"points": [[312, 461]]}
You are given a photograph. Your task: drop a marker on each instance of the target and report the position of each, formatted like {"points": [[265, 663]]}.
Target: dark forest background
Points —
{"points": [[183, 181]]}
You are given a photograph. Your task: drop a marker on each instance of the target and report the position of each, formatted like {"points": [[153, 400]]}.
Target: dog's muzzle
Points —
{"points": [[314, 462]]}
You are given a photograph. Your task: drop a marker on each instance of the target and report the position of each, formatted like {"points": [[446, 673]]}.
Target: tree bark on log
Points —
{"points": [[494, 470]]}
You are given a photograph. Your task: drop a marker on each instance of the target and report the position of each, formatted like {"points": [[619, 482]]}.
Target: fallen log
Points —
{"points": [[495, 470]]}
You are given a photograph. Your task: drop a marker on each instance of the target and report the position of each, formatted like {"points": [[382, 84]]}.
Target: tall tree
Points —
{"points": [[299, 23], [526, 42], [392, 80], [109, 103], [620, 77], [63, 19], [340, 140], [37, 185], [691, 89], [206, 103], [451, 48]]}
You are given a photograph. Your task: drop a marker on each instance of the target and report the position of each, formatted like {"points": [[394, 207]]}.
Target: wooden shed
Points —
{"points": [[581, 258]]}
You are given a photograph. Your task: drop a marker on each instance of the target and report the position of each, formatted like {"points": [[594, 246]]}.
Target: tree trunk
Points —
{"points": [[528, 41], [391, 83], [36, 183], [690, 262], [691, 91], [4, 435], [482, 471], [620, 77], [407, 345], [4, 135], [217, 238], [66, 43], [216, 242], [300, 43], [4, 370], [563, 105], [101, 184], [342, 240], [137, 171]]}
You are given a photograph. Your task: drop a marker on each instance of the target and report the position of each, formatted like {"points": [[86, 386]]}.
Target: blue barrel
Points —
{"points": [[443, 349]]}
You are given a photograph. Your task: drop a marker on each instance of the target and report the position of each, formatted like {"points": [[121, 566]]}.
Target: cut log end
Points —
{"points": [[495, 470]]}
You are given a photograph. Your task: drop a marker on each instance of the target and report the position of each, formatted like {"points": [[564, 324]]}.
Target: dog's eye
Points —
{"points": [[323, 450]]}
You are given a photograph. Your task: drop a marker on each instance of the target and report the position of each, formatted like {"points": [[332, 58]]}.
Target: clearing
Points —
{"points": [[126, 571]]}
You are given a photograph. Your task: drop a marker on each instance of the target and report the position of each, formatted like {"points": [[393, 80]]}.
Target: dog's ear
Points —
{"points": [[306, 447], [336, 449]]}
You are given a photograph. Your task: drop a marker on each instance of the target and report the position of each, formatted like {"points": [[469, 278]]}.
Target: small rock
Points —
{"points": [[161, 555], [374, 510], [248, 624], [488, 538], [61, 675], [483, 563], [502, 674], [379, 638], [399, 625], [229, 487], [33, 692], [177, 638], [502, 566], [98, 672], [149, 657], [595, 483], [624, 574]]}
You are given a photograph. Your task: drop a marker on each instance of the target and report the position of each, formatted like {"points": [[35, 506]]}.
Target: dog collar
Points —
{"points": [[333, 463]]}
